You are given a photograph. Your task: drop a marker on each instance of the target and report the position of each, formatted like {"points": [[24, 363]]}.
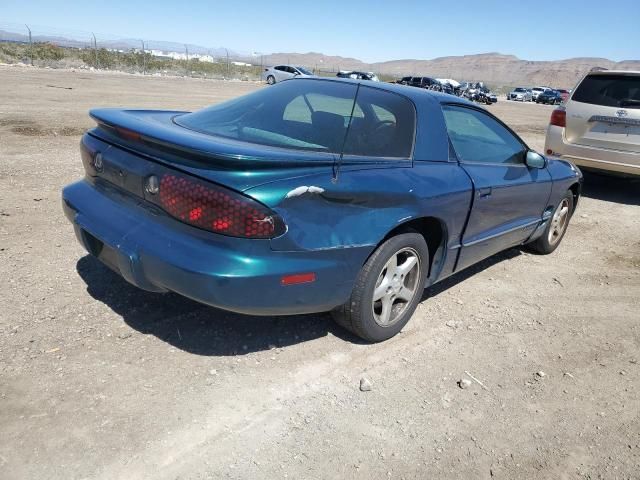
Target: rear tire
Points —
{"points": [[387, 290], [271, 80], [556, 228]]}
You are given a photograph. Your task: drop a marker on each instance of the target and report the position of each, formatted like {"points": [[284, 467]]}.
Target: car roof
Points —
{"points": [[413, 93], [614, 72]]}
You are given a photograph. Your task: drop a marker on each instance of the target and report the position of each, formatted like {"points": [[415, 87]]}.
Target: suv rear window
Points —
{"points": [[609, 91]]}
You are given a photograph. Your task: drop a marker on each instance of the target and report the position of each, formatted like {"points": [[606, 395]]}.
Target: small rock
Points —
{"points": [[567, 374], [541, 374], [365, 384], [464, 383], [213, 371]]}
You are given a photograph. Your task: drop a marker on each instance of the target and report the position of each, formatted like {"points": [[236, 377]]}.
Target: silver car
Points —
{"points": [[599, 125], [284, 72], [520, 94]]}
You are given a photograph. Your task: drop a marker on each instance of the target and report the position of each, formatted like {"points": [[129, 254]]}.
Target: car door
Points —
{"points": [[509, 197], [281, 73]]}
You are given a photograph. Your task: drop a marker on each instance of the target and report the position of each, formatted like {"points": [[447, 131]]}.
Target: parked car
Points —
{"points": [[520, 94], [423, 82], [551, 97], [358, 75], [564, 94], [313, 195], [535, 91], [284, 72], [599, 126], [404, 81]]}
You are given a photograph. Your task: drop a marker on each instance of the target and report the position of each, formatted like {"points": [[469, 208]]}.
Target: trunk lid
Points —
{"points": [[130, 139]]}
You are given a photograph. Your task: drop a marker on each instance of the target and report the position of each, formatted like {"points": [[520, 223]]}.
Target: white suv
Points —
{"points": [[599, 126]]}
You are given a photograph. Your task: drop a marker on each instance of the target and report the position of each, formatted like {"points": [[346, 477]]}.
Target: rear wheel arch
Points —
{"points": [[434, 231]]}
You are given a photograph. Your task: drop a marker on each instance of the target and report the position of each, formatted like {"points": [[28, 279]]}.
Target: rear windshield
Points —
{"points": [[314, 115], [609, 91]]}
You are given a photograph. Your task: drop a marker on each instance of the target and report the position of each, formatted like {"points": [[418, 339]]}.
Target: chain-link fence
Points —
{"points": [[64, 48], [56, 48]]}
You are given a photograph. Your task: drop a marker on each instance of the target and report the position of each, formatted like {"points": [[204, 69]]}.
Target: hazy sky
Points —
{"points": [[372, 31]]}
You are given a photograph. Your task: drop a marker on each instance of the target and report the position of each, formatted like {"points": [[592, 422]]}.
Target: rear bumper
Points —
{"points": [[156, 253], [615, 161]]}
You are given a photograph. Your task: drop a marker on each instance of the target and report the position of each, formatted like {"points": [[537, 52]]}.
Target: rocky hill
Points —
{"points": [[493, 68]]}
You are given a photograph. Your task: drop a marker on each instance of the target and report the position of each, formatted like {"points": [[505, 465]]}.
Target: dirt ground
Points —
{"points": [[101, 380]]}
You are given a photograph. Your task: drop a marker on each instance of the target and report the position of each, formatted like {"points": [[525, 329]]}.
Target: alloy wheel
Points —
{"points": [[559, 222], [396, 286]]}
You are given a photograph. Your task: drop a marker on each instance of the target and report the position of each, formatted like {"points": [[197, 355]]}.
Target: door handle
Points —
{"points": [[484, 192]]}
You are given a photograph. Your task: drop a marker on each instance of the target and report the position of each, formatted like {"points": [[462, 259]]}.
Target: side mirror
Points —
{"points": [[535, 160], [296, 73]]}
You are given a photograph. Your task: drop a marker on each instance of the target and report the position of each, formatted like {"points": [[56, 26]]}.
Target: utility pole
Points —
{"points": [[30, 46], [95, 48], [144, 60]]}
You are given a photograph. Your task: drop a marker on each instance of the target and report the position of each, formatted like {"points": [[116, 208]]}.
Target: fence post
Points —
{"points": [[228, 72], [95, 49], [186, 49], [144, 60], [30, 46]]}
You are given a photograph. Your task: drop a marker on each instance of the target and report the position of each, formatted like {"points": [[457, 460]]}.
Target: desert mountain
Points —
{"points": [[494, 68]]}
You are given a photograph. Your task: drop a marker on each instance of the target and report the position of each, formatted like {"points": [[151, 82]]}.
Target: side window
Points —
{"points": [[298, 110], [479, 138], [385, 126], [280, 68]]}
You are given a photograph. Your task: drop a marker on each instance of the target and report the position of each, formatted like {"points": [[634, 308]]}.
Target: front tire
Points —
{"points": [[271, 79], [556, 228], [387, 290]]}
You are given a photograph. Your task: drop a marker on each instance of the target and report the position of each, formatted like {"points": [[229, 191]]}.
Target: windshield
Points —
{"points": [[609, 91], [520, 90], [314, 115], [538, 89], [304, 71]]}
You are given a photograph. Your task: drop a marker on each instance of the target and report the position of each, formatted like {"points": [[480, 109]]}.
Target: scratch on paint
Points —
{"points": [[296, 192]]}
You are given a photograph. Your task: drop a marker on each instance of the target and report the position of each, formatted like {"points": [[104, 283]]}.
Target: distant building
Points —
{"points": [[181, 56]]}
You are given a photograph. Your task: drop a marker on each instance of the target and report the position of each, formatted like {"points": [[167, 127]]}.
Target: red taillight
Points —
{"points": [[217, 209], [558, 118]]}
